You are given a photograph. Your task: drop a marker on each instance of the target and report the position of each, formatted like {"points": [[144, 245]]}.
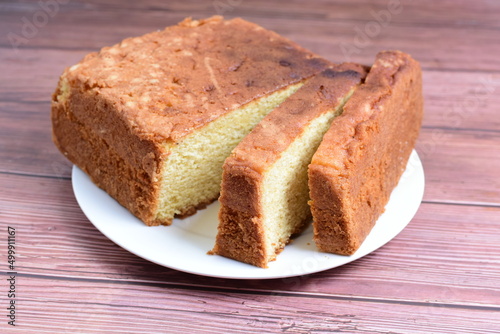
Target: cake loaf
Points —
{"points": [[264, 193], [152, 119], [365, 152]]}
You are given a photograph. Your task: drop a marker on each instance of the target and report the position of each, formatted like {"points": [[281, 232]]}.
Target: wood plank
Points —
{"points": [[33, 75], [425, 12], [448, 254], [461, 100], [36, 72], [120, 307], [460, 166], [457, 100], [433, 45], [468, 156], [440, 275], [26, 141]]}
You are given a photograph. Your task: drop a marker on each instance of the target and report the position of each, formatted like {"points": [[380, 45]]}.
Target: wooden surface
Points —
{"points": [[440, 275]]}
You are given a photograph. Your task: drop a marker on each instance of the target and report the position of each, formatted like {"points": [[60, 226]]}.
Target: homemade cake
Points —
{"points": [[152, 119], [264, 191], [363, 155]]}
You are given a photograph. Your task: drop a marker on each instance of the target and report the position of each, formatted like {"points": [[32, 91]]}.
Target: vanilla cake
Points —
{"points": [[264, 193], [365, 152], [152, 119]]}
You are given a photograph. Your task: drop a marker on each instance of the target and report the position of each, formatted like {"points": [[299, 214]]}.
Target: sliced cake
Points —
{"points": [[152, 119], [264, 191], [365, 152]]}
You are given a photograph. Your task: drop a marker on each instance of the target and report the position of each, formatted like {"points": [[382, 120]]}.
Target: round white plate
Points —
{"points": [[184, 244]]}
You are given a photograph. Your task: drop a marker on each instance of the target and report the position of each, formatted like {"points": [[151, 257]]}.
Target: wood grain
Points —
{"points": [[461, 266], [154, 308], [317, 36], [440, 275], [426, 12], [461, 166], [452, 159], [455, 100]]}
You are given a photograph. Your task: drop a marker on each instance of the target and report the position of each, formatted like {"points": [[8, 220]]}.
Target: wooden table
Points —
{"points": [[440, 275]]}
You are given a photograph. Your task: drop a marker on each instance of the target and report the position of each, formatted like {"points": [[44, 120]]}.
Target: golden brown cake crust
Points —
{"points": [[241, 233], [365, 152], [167, 84], [113, 111], [126, 171]]}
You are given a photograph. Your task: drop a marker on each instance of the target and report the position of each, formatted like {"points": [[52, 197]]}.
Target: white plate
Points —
{"points": [[184, 244]]}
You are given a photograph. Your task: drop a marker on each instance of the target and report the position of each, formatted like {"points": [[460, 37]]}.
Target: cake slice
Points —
{"points": [[152, 119], [365, 152], [264, 191]]}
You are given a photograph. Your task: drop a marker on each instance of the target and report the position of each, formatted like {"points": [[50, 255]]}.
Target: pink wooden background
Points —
{"points": [[440, 275]]}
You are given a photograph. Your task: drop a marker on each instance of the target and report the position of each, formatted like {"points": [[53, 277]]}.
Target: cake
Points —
{"points": [[264, 193], [152, 119], [363, 155]]}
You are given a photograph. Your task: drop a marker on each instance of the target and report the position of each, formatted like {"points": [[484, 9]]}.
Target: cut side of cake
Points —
{"points": [[152, 119], [264, 193], [365, 152]]}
